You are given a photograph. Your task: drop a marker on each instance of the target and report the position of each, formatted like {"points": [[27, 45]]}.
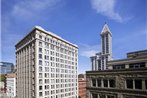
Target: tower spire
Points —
{"points": [[105, 29]]}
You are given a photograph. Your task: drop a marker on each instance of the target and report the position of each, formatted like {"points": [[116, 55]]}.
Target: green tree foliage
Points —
{"points": [[2, 78]]}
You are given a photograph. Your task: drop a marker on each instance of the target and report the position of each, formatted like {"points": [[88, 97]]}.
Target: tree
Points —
{"points": [[2, 78]]}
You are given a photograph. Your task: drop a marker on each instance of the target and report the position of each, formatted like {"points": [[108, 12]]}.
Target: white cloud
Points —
{"points": [[88, 50], [27, 8], [88, 53], [106, 8]]}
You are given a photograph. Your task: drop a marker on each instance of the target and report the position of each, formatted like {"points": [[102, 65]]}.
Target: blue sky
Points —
{"points": [[78, 21]]}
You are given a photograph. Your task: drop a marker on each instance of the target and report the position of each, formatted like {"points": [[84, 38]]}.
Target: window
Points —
{"points": [[137, 65], [40, 62], [40, 93], [99, 82], [102, 96], [118, 66], [94, 96], [138, 84], [40, 75], [105, 83], [110, 96], [129, 83], [40, 68], [40, 56], [40, 44], [40, 87], [40, 81], [93, 82], [40, 50], [40, 36], [112, 83]]}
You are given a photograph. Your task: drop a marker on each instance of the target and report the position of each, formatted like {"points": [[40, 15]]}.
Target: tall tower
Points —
{"points": [[106, 45], [99, 61], [106, 40], [46, 66]]}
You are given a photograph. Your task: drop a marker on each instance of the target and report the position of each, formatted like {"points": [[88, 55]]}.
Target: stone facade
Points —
{"points": [[46, 66], [125, 78]]}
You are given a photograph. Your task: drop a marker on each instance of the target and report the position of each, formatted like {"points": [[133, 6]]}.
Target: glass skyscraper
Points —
{"points": [[6, 67]]}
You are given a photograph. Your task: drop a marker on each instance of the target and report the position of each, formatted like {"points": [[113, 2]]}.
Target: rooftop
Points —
{"points": [[47, 32]]}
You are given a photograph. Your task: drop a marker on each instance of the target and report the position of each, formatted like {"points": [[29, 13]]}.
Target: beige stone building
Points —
{"points": [[125, 78], [46, 66]]}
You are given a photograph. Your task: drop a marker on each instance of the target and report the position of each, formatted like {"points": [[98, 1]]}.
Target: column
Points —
{"points": [[98, 96], [93, 64], [133, 84], [143, 85], [108, 84], [106, 96], [96, 64], [102, 85], [146, 64], [96, 83]]}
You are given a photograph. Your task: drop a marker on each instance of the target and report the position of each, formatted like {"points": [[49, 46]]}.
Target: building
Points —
{"points": [[46, 66], [6, 67], [99, 61], [125, 78], [11, 85], [82, 85]]}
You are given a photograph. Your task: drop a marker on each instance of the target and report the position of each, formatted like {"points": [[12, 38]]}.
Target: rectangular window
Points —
{"points": [[138, 84], [40, 93], [94, 82], [112, 83], [40, 44], [94, 96], [40, 81], [40, 56], [105, 83], [40, 75], [102, 96], [118, 66], [40, 69], [40, 50], [129, 83], [40, 87], [110, 96], [99, 82], [137, 65], [40, 36], [40, 62]]}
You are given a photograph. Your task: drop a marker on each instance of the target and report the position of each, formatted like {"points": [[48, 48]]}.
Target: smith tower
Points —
{"points": [[99, 61]]}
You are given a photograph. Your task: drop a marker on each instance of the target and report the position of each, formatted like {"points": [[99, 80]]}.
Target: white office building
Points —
{"points": [[11, 85], [46, 66], [99, 61]]}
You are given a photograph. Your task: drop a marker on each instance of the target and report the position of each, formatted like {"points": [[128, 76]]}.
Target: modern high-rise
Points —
{"points": [[99, 61], [6, 67], [46, 66]]}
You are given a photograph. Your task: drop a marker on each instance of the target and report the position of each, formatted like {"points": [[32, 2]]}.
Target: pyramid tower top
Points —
{"points": [[105, 29]]}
